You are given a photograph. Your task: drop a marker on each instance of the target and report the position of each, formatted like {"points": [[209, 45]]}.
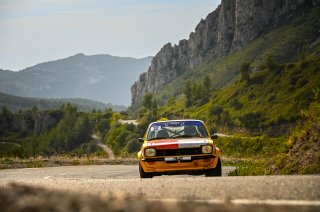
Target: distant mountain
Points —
{"points": [[103, 78], [4, 74], [15, 103]]}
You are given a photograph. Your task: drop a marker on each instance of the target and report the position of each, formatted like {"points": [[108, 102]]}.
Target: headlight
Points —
{"points": [[206, 149], [150, 152]]}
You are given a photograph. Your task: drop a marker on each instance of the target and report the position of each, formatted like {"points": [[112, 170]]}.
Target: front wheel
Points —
{"points": [[216, 172], [144, 174]]}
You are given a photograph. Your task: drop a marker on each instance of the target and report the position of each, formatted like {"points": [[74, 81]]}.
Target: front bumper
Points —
{"points": [[199, 162]]}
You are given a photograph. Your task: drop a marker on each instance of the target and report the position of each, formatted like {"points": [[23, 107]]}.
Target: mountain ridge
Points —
{"points": [[17, 103], [103, 78], [230, 27], [254, 90]]}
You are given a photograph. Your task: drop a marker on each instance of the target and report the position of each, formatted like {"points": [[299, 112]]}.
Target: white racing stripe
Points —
{"points": [[247, 202], [191, 143]]}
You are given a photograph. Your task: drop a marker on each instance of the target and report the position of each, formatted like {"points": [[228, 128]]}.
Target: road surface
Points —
{"points": [[105, 148], [133, 121], [123, 180]]}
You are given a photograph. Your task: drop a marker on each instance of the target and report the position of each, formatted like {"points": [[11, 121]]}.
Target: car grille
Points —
{"points": [[199, 157], [176, 152]]}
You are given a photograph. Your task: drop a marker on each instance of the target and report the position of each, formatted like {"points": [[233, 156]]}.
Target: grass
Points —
{"points": [[250, 168], [297, 153], [39, 162], [250, 153], [252, 146], [269, 99], [283, 43]]}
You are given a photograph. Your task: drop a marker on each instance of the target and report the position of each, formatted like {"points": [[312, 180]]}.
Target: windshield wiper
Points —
{"points": [[188, 136], [158, 138]]}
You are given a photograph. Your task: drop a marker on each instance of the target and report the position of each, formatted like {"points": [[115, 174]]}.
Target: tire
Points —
{"points": [[144, 174], [216, 172]]}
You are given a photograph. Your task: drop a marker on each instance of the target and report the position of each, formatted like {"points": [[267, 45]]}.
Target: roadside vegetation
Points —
{"points": [[298, 153], [47, 133], [38, 138], [267, 101], [273, 114]]}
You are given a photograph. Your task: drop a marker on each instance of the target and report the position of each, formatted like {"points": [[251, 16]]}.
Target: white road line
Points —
{"points": [[276, 202], [47, 177], [247, 202]]}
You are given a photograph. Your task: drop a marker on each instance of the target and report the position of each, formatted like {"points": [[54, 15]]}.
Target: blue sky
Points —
{"points": [[35, 31]]}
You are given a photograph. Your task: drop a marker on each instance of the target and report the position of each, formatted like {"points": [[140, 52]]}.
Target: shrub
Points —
{"points": [[290, 66], [252, 120], [251, 96], [216, 111], [236, 104], [258, 79], [302, 82], [271, 98], [245, 70], [294, 80], [133, 145]]}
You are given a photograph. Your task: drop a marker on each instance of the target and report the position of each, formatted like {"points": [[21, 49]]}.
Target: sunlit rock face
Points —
{"points": [[230, 27]]}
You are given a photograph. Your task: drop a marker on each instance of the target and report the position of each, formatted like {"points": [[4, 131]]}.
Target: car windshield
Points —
{"points": [[177, 129]]}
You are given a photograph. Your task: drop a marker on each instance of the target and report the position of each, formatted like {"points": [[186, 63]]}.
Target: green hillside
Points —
{"points": [[268, 98], [266, 95], [284, 70], [286, 43]]}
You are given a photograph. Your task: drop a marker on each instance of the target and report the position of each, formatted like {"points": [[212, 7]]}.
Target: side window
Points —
{"points": [[202, 131], [151, 134]]}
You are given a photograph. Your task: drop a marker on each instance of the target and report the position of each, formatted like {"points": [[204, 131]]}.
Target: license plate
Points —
{"points": [[170, 159], [184, 158]]}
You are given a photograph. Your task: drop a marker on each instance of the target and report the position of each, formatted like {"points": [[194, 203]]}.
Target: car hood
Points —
{"points": [[177, 143]]}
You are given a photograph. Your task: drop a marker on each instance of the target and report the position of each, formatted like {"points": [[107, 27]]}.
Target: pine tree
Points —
{"points": [[147, 101], [188, 93], [245, 70]]}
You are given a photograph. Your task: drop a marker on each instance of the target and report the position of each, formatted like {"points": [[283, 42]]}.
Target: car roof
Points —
{"points": [[177, 120]]}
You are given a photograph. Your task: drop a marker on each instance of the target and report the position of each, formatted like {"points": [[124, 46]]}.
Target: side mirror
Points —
{"points": [[215, 136], [141, 140]]}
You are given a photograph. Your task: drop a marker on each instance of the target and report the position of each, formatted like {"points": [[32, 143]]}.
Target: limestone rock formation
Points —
{"points": [[230, 27]]}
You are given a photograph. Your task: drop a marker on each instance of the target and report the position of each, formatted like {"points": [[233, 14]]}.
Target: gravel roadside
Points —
{"points": [[119, 188]]}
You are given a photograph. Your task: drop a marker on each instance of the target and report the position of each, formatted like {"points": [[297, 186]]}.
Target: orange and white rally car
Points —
{"points": [[178, 147]]}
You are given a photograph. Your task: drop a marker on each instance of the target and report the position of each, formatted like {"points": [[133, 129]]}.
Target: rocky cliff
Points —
{"points": [[230, 27]]}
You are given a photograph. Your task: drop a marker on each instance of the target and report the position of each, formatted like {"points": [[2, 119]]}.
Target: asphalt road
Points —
{"points": [[123, 180]]}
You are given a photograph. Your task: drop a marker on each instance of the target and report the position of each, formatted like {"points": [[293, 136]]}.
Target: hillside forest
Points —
{"points": [[64, 131]]}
